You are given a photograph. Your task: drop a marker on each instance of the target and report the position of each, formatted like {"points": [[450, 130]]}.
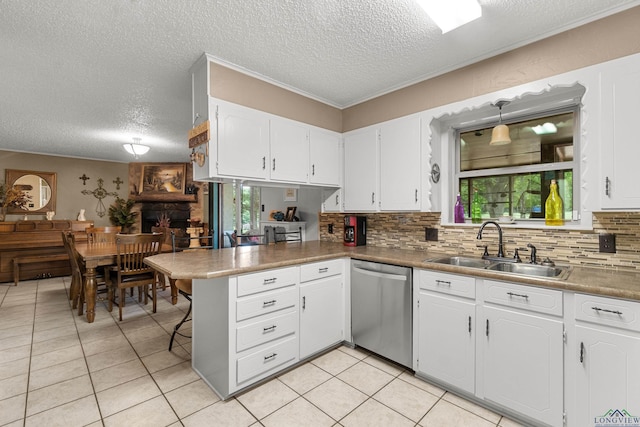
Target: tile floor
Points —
{"points": [[56, 369]]}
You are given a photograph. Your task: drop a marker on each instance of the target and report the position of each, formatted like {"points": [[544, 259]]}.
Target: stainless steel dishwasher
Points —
{"points": [[381, 310]]}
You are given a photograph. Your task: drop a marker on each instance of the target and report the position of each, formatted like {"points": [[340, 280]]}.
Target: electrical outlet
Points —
{"points": [[607, 243], [431, 234], [330, 228]]}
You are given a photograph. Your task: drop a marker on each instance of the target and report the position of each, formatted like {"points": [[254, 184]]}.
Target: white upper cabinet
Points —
{"points": [[324, 157], [361, 170], [243, 142], [400, 164], [619, 146], [289, 143]]}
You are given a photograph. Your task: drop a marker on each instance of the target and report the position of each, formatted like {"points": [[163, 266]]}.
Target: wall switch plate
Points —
{"points": [[431, 234], [607, 243], [330, 228]]}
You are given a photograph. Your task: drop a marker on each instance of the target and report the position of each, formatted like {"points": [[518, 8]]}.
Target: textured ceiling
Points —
{"points": [[80, 77]]}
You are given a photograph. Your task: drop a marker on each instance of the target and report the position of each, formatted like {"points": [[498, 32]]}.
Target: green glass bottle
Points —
{"points": [[553, 210], [476, 208]]}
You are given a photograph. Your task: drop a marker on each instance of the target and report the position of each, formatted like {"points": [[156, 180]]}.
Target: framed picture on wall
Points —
{"points": [[160, 178], [291, 213], [290, 194]]}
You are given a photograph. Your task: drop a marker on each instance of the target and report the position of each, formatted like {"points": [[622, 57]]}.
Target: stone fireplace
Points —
{"points": [[178, 213]]}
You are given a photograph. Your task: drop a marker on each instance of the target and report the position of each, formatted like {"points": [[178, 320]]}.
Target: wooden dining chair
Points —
{"points": [[78, 271], [130, 270], [102, 234]]}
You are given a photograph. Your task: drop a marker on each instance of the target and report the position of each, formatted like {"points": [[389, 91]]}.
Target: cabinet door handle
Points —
{"points": [[487, 331], [274, 164], [416, 195], [511, 294], [373, 198], [337, 200], [607, 183], [271, 356], [304, 302], [269, 328], [581, 352], [313, 170], [604, 310], [469, 324], [264, 163]]}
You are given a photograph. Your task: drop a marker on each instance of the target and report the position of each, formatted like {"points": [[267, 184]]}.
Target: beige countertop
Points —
{"points": [[203, 264]]}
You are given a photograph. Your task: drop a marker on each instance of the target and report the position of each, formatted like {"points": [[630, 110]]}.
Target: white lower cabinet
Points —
{"points": [[446, 350], [321, 306], [249, 327], [607, 359], [522, 350]]}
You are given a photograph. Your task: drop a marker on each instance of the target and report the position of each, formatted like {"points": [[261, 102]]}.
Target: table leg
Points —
{"points": [[174, 291], [90, 293]]}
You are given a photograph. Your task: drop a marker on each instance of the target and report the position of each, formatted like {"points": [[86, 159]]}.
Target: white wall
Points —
{"points": [[308, 205]]}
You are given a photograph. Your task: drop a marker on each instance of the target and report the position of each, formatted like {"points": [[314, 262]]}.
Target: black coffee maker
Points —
{"points": [[355, 230]]}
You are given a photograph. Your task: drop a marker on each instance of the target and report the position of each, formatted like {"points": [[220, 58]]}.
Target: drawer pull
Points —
{"points": [[511, 294], [266, 303], [269, 281], [269, 328], [598, 309], [271, 356], [443, 283], [323, 270]]}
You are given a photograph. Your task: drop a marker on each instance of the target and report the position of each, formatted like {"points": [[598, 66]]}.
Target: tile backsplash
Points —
{"points": [[406, 230]]}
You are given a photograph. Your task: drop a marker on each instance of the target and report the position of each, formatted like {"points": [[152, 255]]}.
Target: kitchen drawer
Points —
{"points": [[267, 359], [452, 284], [265, 330], [318, 270], [608, 311], [266, 302], [266, 280], [532, 298]]}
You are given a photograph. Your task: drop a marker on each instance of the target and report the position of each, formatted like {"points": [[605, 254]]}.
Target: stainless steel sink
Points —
{"points": [[531, 270], [461, 261]]}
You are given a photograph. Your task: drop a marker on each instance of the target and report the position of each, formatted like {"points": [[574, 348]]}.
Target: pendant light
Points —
{"points": [[500, 133], [136, 148]]}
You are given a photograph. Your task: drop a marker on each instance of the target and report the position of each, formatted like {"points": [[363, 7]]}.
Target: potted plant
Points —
{"points": [[120, 213], [12, 197]]}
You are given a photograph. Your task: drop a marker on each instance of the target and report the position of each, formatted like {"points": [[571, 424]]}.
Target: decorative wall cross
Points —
{"points": [[99, 193], [84, 179], [117, 182]]}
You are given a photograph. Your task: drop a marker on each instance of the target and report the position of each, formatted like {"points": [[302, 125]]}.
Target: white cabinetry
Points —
{"points": [[243, 142], [522, 350], [324, 157], [289, 144], [607, 358], [245, 327], [361, 170], [332, 200], [321, 306], [400, 164], [446, 328], [619, 148]]}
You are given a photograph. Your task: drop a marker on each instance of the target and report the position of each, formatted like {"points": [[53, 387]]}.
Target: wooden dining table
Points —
{"points": [[96, 255]]}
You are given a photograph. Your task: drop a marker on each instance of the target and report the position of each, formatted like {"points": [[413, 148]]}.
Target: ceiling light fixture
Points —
{"points": [[136, 148], [500, 133], [545, 129], [451, 14]]}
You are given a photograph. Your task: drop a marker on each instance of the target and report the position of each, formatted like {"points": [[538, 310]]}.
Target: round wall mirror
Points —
{"points": [[39, 186]]}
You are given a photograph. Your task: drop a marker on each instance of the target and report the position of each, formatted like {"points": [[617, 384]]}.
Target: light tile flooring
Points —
{"points": [[57, 369]]}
